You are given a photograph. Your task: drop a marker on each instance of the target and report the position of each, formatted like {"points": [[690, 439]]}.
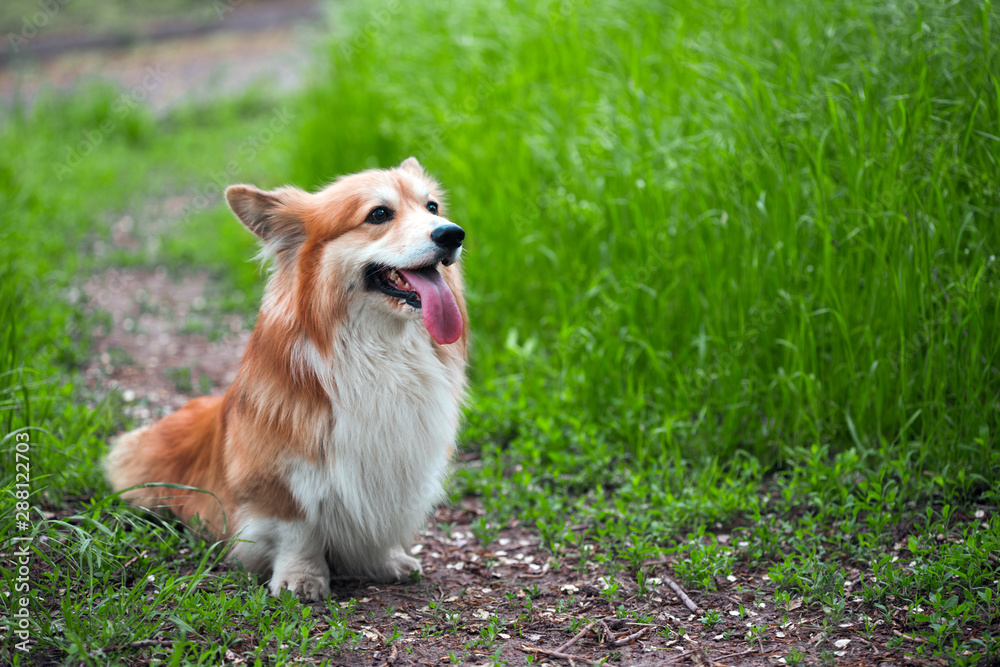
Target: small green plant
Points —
{"points": [[553, 533], [528, 614], [181, 377], [485, 531], [711, 617], [445, 620], [642, 579], [870, 625], [702, 561], [446, 528], [755, 633], [492, 628], [795, 657], [586, 554], [610, 589]]}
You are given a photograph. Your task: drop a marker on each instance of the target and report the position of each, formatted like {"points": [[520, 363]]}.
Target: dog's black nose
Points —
{"points": [[448, 237]]}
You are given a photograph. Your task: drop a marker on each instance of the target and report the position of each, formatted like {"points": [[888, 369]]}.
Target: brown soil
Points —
{"points": [[538, 603], [144, 352]]}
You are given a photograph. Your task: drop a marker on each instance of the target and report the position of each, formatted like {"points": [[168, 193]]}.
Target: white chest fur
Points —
{"points": [[396, 413]]}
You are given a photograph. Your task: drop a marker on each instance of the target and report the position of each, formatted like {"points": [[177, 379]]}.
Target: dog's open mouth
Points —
{"points": [[392, 283], [425, 290]]}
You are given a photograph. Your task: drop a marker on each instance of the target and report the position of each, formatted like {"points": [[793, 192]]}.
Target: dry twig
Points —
{"points": [[556, 654], [912, 638], [578, 637], [688, 602], [608, 635], [624, 641], [680, 656], [134, 559], [700, 658]]}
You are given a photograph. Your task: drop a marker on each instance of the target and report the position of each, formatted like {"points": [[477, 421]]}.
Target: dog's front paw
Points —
{"points": [[306, 586], [400, 566]]}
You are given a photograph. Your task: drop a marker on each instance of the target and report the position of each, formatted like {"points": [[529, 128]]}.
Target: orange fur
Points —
{"points": [[183, 448], [277, 421]]}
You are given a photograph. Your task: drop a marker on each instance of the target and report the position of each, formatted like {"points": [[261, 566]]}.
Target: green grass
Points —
{"points": [[731, 268], [713, 230]]}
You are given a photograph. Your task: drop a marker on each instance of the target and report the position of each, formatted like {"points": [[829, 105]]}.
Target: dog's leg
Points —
{"points": [[399, 565], [254, 545], [300, 562]]}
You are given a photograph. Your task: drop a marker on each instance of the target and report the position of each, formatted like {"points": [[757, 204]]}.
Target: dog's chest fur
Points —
{"points": [[395, 416]]}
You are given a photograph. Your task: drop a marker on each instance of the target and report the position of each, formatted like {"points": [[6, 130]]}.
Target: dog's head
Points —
{"points": [[379, 236]]}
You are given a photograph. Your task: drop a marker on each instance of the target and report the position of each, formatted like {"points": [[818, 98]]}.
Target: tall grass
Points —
{"points": [[704, 228]]}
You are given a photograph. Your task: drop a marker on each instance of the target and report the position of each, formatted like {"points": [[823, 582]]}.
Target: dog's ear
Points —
{"points": [[267, 215], [411, 165]]}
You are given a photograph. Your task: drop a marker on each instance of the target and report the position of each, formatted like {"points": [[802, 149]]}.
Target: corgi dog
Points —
{"points": [[331, 446]]}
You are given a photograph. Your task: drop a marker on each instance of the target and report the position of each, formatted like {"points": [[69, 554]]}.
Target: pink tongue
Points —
{"points": [[441, 315]]}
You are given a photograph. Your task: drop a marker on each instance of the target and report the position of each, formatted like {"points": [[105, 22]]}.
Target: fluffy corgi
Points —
{"points": [[331, 446]]}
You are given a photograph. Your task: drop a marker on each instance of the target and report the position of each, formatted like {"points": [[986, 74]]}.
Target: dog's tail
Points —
{"points": [[180, 450]]}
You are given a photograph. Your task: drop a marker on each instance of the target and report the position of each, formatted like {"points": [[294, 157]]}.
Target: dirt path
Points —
{"points": [[149, 350], [263, 43]]}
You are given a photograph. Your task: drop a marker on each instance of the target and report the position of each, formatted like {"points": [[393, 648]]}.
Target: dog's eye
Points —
{"points": [[432, 207], [379, 214]]}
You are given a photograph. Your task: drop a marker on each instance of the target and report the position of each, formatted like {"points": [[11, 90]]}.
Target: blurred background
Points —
{"points": [[207, 48]]}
